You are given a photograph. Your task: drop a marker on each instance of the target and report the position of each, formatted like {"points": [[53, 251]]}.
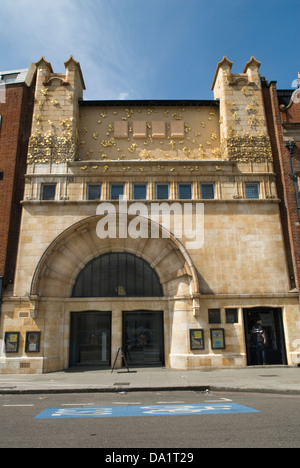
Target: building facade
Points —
{"points": [[150, 226], [16, 108]]}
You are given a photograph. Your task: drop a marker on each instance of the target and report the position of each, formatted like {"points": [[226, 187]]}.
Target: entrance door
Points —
{"points": [[273, 326], [143, 341], [90, 339]]}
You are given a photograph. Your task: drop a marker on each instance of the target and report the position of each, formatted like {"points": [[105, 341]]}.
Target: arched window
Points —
{"points": [[115, 275]]}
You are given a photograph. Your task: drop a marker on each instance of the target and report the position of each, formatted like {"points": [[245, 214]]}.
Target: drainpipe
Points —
{"points": [[291, 145]]}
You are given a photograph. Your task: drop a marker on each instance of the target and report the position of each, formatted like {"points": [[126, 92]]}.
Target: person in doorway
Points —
{"points": [[260, 341]]}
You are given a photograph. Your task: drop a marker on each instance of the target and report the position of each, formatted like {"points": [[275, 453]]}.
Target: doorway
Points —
{"points": [[143, 338], [90, 342], [273, 325]]}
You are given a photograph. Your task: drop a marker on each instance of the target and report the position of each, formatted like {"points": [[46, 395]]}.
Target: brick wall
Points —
{"points": [[271, 105], [276, 117], [15, 129]]}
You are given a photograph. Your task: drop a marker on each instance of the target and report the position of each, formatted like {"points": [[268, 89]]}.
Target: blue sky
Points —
{"points": [[152, 49]]}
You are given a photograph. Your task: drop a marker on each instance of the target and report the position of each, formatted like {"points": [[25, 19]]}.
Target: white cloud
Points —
{"points": [[89, 30], [123, 96]]}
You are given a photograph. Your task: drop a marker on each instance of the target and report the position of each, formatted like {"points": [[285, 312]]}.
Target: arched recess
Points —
{"points": [[74, 248], [117, 274]]}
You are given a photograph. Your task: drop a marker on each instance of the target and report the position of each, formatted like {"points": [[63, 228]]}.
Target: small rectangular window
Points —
{"points": [[94, 192], [48, 191], [232, 316], [252, 191], [140, 191], [116, 191], [207, 191], [185, 191], [162, 191], [214, 316]]}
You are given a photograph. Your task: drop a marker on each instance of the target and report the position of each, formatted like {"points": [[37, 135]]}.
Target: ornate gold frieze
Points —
{"points": [[248, 148], [51, 148]]}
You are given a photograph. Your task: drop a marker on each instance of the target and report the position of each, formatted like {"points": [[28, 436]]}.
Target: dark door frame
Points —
{"points": [[162, 344], [276, 347], [73, 337]]}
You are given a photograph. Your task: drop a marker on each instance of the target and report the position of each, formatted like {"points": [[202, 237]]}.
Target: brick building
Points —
{"points": [[99, 269], [283, 116], [16, 107]]}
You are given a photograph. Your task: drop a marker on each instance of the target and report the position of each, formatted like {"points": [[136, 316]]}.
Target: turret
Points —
{"points": [[56, 113], [243, 126]]}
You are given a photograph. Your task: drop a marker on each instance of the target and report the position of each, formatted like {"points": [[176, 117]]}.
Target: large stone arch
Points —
{"points": [[70, 252]]}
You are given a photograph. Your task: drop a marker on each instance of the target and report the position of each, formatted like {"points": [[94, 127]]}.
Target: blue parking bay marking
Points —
{"points": [[150, 410]]}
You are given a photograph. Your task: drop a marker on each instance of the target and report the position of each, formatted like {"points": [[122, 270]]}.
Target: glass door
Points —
{"points": [[90, 339], [143, 341]]}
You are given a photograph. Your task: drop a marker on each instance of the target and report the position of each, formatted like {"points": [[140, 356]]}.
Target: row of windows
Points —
{"points": [[214, 316], [162, 191]]}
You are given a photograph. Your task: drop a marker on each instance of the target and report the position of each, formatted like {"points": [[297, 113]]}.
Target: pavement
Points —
{"points": [[266, 379]]}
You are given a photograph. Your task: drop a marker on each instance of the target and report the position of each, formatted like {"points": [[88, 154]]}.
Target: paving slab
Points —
{"points": [[272, 379]]}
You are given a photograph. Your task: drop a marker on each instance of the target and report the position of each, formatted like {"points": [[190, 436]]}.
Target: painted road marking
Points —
{"points": [[150, 410], [170, 402], [78, 404], [17, 406], [216, 401]]}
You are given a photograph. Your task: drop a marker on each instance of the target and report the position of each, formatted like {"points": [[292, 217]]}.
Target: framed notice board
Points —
{"points": [[217, 338], [11, 341], [197, 339], [33, 340]]}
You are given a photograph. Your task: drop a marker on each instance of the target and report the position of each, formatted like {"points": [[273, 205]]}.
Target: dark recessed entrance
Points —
{"points": [[90, 339], [143, 338], [273, 326]]}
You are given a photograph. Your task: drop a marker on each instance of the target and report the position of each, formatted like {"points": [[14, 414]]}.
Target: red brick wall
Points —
{"points": [[15, 129], [292, 113], [270, 99], [285, 184]]}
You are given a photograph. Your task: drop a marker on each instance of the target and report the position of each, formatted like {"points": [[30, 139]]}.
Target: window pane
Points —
{"points": [[214, 316], [207, 191], [104, 277], [162, 191], [232, 316], [116, 190], [48, 191], [252, 191], [140, 191], [185, 191], [121, 288], [94, 191]]}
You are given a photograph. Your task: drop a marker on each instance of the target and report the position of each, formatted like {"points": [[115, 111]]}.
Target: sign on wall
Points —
{"points": [[197, 339], [33, 340], [217, 338], [12, 342]]}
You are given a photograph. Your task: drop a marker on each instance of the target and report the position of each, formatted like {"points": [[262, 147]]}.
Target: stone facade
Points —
{"points": [[237, 268]]}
